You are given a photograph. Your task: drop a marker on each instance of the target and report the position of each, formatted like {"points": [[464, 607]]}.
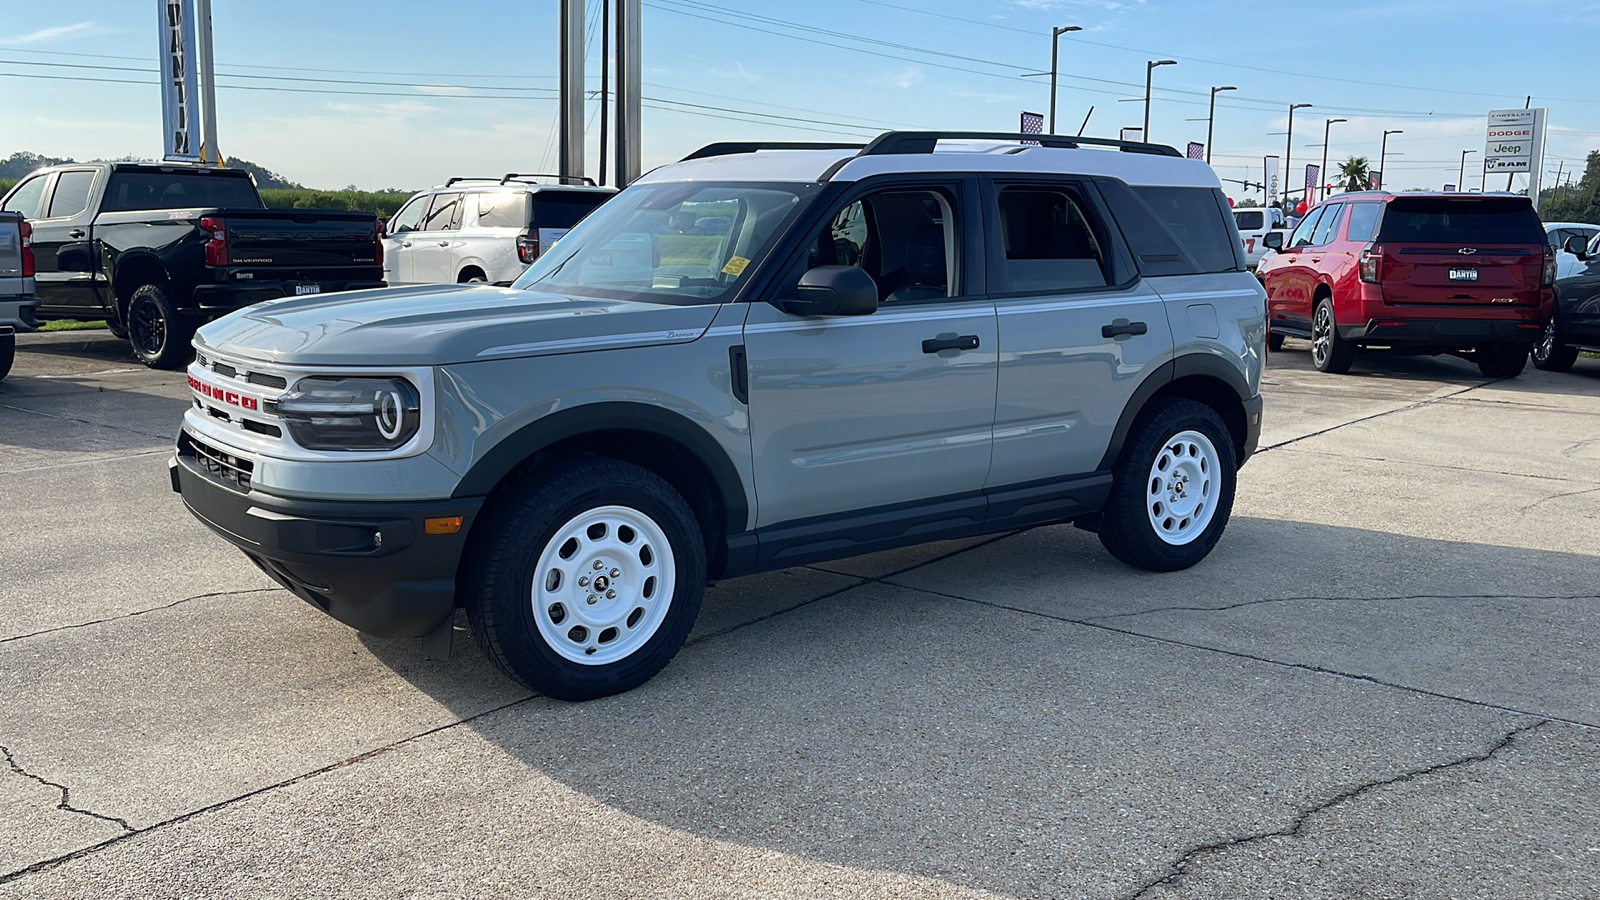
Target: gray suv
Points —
{"points": [[762, 356]]}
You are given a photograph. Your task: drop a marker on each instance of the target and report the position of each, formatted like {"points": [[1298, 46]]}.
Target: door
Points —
{"points": [[1578, 296], [401, 240], [1290, 282], [487, 240], [432, 251], [851, 413], [1078, 329], [67, 282]]}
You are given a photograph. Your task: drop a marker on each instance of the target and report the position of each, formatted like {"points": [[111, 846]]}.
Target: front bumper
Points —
{"points": [[216, 299], [1455, 334], [370, 564]]}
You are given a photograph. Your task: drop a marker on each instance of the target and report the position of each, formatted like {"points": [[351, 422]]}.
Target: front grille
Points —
{"points": [[218, 463], [265, 380]]}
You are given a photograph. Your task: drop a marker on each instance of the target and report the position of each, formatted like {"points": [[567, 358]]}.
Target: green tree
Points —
{"points": [[1356, 174], [1579, 203]]}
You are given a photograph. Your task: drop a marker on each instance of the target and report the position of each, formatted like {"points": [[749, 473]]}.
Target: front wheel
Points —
{"points": [[585, 578], [159, 335], [1502, 360], [1172, 488], [1550, 354]]}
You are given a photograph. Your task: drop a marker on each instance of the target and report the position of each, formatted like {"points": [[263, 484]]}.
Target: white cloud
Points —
{"points": [[55, 33], [906, 78], [737, 73]]}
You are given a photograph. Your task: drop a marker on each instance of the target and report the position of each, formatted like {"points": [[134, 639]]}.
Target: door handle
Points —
{"points": [[76, 233], [964, 342], [405, 243], [1123, 326], [444, 243]]}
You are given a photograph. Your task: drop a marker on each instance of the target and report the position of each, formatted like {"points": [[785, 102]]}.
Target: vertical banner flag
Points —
{"points": [[180, 141], [1197, 150], [1313, 171], [1269, 178], [1131, 134], [1032, 123], [1375, 179]]}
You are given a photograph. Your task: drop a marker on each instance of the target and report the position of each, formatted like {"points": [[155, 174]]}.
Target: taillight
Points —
{"points": [[27, 250], [378, 245], [1547, 276], [528, 246], [1371, 264], [216, 240]]}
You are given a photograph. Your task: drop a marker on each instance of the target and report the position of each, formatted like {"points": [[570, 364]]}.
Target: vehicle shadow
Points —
{"points": [[1383, 364], [1054, 735]]}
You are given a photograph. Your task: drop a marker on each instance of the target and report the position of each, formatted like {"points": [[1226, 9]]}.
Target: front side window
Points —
{"points": [[26, 198], [409, 218], [444, 215], [693, 242], [1328, 228], [72, 193], [1303, 231], [1049, 242], [904, 239]]}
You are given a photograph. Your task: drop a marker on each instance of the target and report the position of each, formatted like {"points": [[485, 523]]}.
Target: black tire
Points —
{"points": [[471, 276], [499, 577], [8, 353], [1550, 354], [159, 335], [1502, 360], [1127, 528], [1329, 352], [1274, 340]]}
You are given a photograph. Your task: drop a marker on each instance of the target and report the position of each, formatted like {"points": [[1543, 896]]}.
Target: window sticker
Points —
{"points": [[735, 266]]}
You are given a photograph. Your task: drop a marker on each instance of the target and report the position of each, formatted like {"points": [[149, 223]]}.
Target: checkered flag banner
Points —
{"points": [[1032, 123], [1197, 150]]}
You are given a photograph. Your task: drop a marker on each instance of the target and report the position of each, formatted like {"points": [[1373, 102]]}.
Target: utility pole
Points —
{"points": [[209, 153], [1150, 67], [605, 81], [1288, 148], [1383, 151], [1461, 176], [1322, 173], [1055, 45], [570, 133], [1211, 118], [628, 163]]}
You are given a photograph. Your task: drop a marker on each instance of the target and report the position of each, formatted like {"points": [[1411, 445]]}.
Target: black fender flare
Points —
{"points": [[1186, 366], [518, 447]]}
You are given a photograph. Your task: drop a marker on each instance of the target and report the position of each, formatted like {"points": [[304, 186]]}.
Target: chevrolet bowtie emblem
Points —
{"points": [[1467, 251]]}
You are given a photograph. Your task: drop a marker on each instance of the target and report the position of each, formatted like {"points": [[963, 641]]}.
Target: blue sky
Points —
{"points": [[429, 90]]}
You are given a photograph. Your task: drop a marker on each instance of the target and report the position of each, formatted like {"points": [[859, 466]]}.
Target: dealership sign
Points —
{"points": [[1514, 142], [179, 101]]}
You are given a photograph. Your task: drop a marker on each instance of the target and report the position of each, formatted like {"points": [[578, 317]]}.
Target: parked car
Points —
{"points": [[1574, 325], [863, 349], [155, 250], [1255, 223], [1559, 234], [1416, 273], [17, 303], [483, 229]]}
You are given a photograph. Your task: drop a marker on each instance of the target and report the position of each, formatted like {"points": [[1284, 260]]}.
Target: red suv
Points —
{"points": [[1414, 272]]}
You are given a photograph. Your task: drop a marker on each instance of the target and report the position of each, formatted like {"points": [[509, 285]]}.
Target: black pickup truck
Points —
{"points": [[158, 249]]}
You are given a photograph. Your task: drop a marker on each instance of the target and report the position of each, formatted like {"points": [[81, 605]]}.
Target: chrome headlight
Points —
{"points": [[328, 412]]}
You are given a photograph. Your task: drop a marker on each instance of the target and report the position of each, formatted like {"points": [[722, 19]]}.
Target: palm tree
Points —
{"points": [[1356, 174]]}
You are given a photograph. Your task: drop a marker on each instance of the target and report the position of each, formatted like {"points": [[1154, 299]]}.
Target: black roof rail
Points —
{"points": [[564, 179], [925, 141], [728, 148], [467, 178]]}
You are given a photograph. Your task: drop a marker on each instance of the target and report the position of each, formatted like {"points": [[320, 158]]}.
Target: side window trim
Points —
{"points": [[1124, 273]]}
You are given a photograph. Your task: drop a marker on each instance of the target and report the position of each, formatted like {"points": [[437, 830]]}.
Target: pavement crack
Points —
{"points": [[1388, 412], [137, 612], [90, 422], [1395, 599], [65, 803], [1181, 866], [1557, 497]]}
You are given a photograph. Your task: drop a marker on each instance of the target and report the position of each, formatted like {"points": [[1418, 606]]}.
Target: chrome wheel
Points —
{"points": [[1182, 490], [603, 585], [1321, 335], [1546, 345]]}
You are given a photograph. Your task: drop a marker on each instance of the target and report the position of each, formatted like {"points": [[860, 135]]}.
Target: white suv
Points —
{"points": [[482, 229]]}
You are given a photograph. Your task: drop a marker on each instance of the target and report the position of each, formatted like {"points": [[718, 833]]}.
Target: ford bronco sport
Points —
{"points": [[932, 336]]}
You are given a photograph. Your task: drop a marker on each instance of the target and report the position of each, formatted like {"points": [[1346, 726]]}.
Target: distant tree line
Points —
{"points": [[1578, 203]]}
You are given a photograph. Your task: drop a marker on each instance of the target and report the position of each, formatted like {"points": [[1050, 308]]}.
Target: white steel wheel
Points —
{"points": [[603, 585], [1181, 492]]}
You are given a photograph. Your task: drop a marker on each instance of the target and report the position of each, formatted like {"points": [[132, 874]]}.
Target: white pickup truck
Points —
{"points": [[17, 302], [1254, 225]]}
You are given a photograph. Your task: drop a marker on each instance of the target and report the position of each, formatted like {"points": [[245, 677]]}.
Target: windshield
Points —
{"points": [[670, 243]]}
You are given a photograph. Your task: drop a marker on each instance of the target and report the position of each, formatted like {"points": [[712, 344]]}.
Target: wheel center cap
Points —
{"points": [[601, 582]]}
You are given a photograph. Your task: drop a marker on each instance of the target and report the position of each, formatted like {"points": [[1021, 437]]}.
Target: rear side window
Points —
{"points": [[1250, 219], [1485, 220], [1050, 242], [1176, 230], [444, 215], [132, 190], [72, 193], [26, 198], [1363, 221], [503, 209], [564, 209]]}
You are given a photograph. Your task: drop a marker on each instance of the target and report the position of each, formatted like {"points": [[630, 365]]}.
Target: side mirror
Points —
{"points": [[1577, 246], [834, 291], [1273, 239]]}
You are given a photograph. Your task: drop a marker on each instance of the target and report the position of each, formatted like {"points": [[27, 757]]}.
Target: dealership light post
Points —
{"points": [[1055, 47], [1211, 118], [1287, 149], [1383, 151], [1461, 175], [1150, 67], [1322, 173]]}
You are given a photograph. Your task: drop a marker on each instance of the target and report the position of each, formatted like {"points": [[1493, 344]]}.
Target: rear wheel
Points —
{"points": [[1172, 488], [1502, 360], [1329, 352], [8, 352], [1550, 354], [159, 335], [585, 579]]}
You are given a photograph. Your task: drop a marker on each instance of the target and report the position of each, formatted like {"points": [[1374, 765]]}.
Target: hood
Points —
{"points": [[435, 325]]}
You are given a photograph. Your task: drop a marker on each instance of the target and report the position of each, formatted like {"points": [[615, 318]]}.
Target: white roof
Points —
{"points": [[992, 157]]}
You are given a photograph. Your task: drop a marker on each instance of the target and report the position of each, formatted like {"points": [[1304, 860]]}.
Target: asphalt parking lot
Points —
{"points": [[1383, 683]]}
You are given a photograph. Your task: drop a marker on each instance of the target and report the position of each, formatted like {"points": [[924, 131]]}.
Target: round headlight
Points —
{"points": [[390, 411]]}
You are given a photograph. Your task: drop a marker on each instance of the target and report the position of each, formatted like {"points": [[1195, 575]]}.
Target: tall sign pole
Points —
{"points": [[629, 160], [180, 134], [570, 132], [210, 154]]}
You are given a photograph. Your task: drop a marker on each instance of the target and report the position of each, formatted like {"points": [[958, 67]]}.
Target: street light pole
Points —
{"points": [[1461, 176], [1288, 148], [1150, 67], [1322, 173], [1055, 46], [1211, 118], [1383, 151]]}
